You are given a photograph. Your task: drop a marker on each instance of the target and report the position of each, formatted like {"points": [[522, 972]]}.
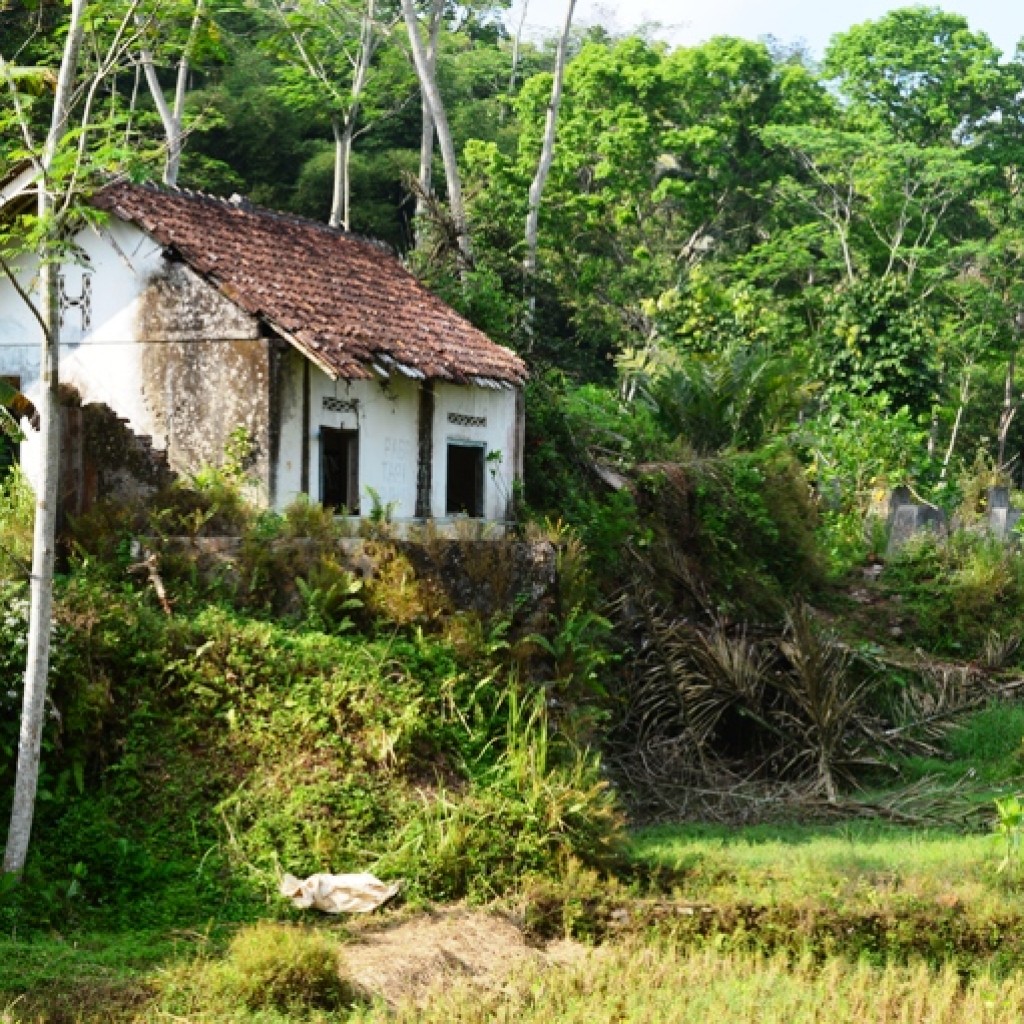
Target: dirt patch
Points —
{"points": [[406, 961]]}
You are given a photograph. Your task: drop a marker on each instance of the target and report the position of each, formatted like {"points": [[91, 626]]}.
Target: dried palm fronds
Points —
{"points": [[720, 722], [824, 699]]}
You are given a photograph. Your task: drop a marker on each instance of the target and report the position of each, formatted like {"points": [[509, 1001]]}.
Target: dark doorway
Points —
{"points": [[465, 480], [339, 469]]}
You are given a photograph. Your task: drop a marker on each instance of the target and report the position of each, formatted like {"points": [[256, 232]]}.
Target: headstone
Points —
{"points": [[910, 519], [899, 498], [930, 517], [997, 521], [998, 497], [903, 526], [1001, 522]]}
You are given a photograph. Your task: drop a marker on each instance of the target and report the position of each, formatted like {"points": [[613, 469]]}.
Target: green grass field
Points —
{"points": [[765, 861], [854, 921]]}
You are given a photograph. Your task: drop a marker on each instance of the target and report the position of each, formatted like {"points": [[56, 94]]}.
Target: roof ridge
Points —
{"points": [[246, 205]]}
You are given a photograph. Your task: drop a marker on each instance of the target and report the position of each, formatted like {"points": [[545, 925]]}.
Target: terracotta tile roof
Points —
{"points": [[345, 302]]}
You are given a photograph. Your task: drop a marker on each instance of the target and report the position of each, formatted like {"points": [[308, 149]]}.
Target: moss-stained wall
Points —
{"points": [[205, 372]]}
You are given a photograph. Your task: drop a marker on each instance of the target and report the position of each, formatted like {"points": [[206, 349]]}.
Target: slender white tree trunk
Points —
{"points": [[517, 41], [547, 155], [38, 653], [428, 86], [344, 128], [339, 191], [426, 175], [965, 394], [173, 117], [1009, 409]]}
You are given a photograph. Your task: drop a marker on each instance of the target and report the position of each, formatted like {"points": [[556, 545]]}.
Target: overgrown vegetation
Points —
{"points": [[215, 722], [767, 292]]}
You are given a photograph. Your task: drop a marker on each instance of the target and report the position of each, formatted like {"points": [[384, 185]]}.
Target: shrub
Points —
{"points": [[268, 966], [17, 508], [569, 429], [282, 966], [958, 592], [732, 532]]}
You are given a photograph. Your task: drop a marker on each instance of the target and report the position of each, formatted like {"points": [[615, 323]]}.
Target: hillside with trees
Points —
{"points": [[750, 742]]}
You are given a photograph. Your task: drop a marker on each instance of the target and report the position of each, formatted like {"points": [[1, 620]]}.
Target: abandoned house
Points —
{"points": [[186, 318]]}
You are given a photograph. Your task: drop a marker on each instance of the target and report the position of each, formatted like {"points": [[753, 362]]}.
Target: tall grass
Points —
{"points": [[277, 975], [534, 804], [956, 593], [651, 983]]}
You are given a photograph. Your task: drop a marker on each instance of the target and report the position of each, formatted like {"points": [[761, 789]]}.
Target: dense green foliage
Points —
{"points": [[767, 290], [327, 725], [737, 246]]}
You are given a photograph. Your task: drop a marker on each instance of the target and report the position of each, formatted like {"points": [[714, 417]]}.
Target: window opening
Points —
{"points": [[465, 480], [339, 469]]}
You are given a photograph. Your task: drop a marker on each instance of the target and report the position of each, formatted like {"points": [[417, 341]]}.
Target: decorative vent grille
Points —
{"points": [[332, 404], [461, 419], [83, 302]]}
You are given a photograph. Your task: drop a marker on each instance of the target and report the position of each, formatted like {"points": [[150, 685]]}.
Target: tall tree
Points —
{"points": [[426, 73], [922, 73], [547, 155], [334, 43], [426, 171], [43, 541], [659, 167], [172, 115], [59, 162], [886, 206]]}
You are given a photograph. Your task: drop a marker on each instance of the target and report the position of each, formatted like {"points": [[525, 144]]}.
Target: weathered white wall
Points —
{"points": [[387, 418], [188, 397], [138, 353], [498, 408]]}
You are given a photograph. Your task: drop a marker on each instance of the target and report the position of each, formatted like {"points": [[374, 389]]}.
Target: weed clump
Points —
{"points": [[267, 966], [17, 508], [960, 596], [282, 966]]}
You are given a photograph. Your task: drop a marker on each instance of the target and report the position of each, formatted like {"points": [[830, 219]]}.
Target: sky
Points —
{"points": [[814, 22]]}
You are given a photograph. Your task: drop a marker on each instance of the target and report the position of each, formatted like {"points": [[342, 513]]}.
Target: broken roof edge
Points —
{"points": [[302, 349]]}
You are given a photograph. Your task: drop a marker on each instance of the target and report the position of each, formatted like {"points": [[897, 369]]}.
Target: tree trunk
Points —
{"points": [[1009, 409], [426, 174], [44, 535], [547, 154], [932, 444], [954, 434], [341, 213], [517, 41], [173, 118], [428, 86], [342, 154]]}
